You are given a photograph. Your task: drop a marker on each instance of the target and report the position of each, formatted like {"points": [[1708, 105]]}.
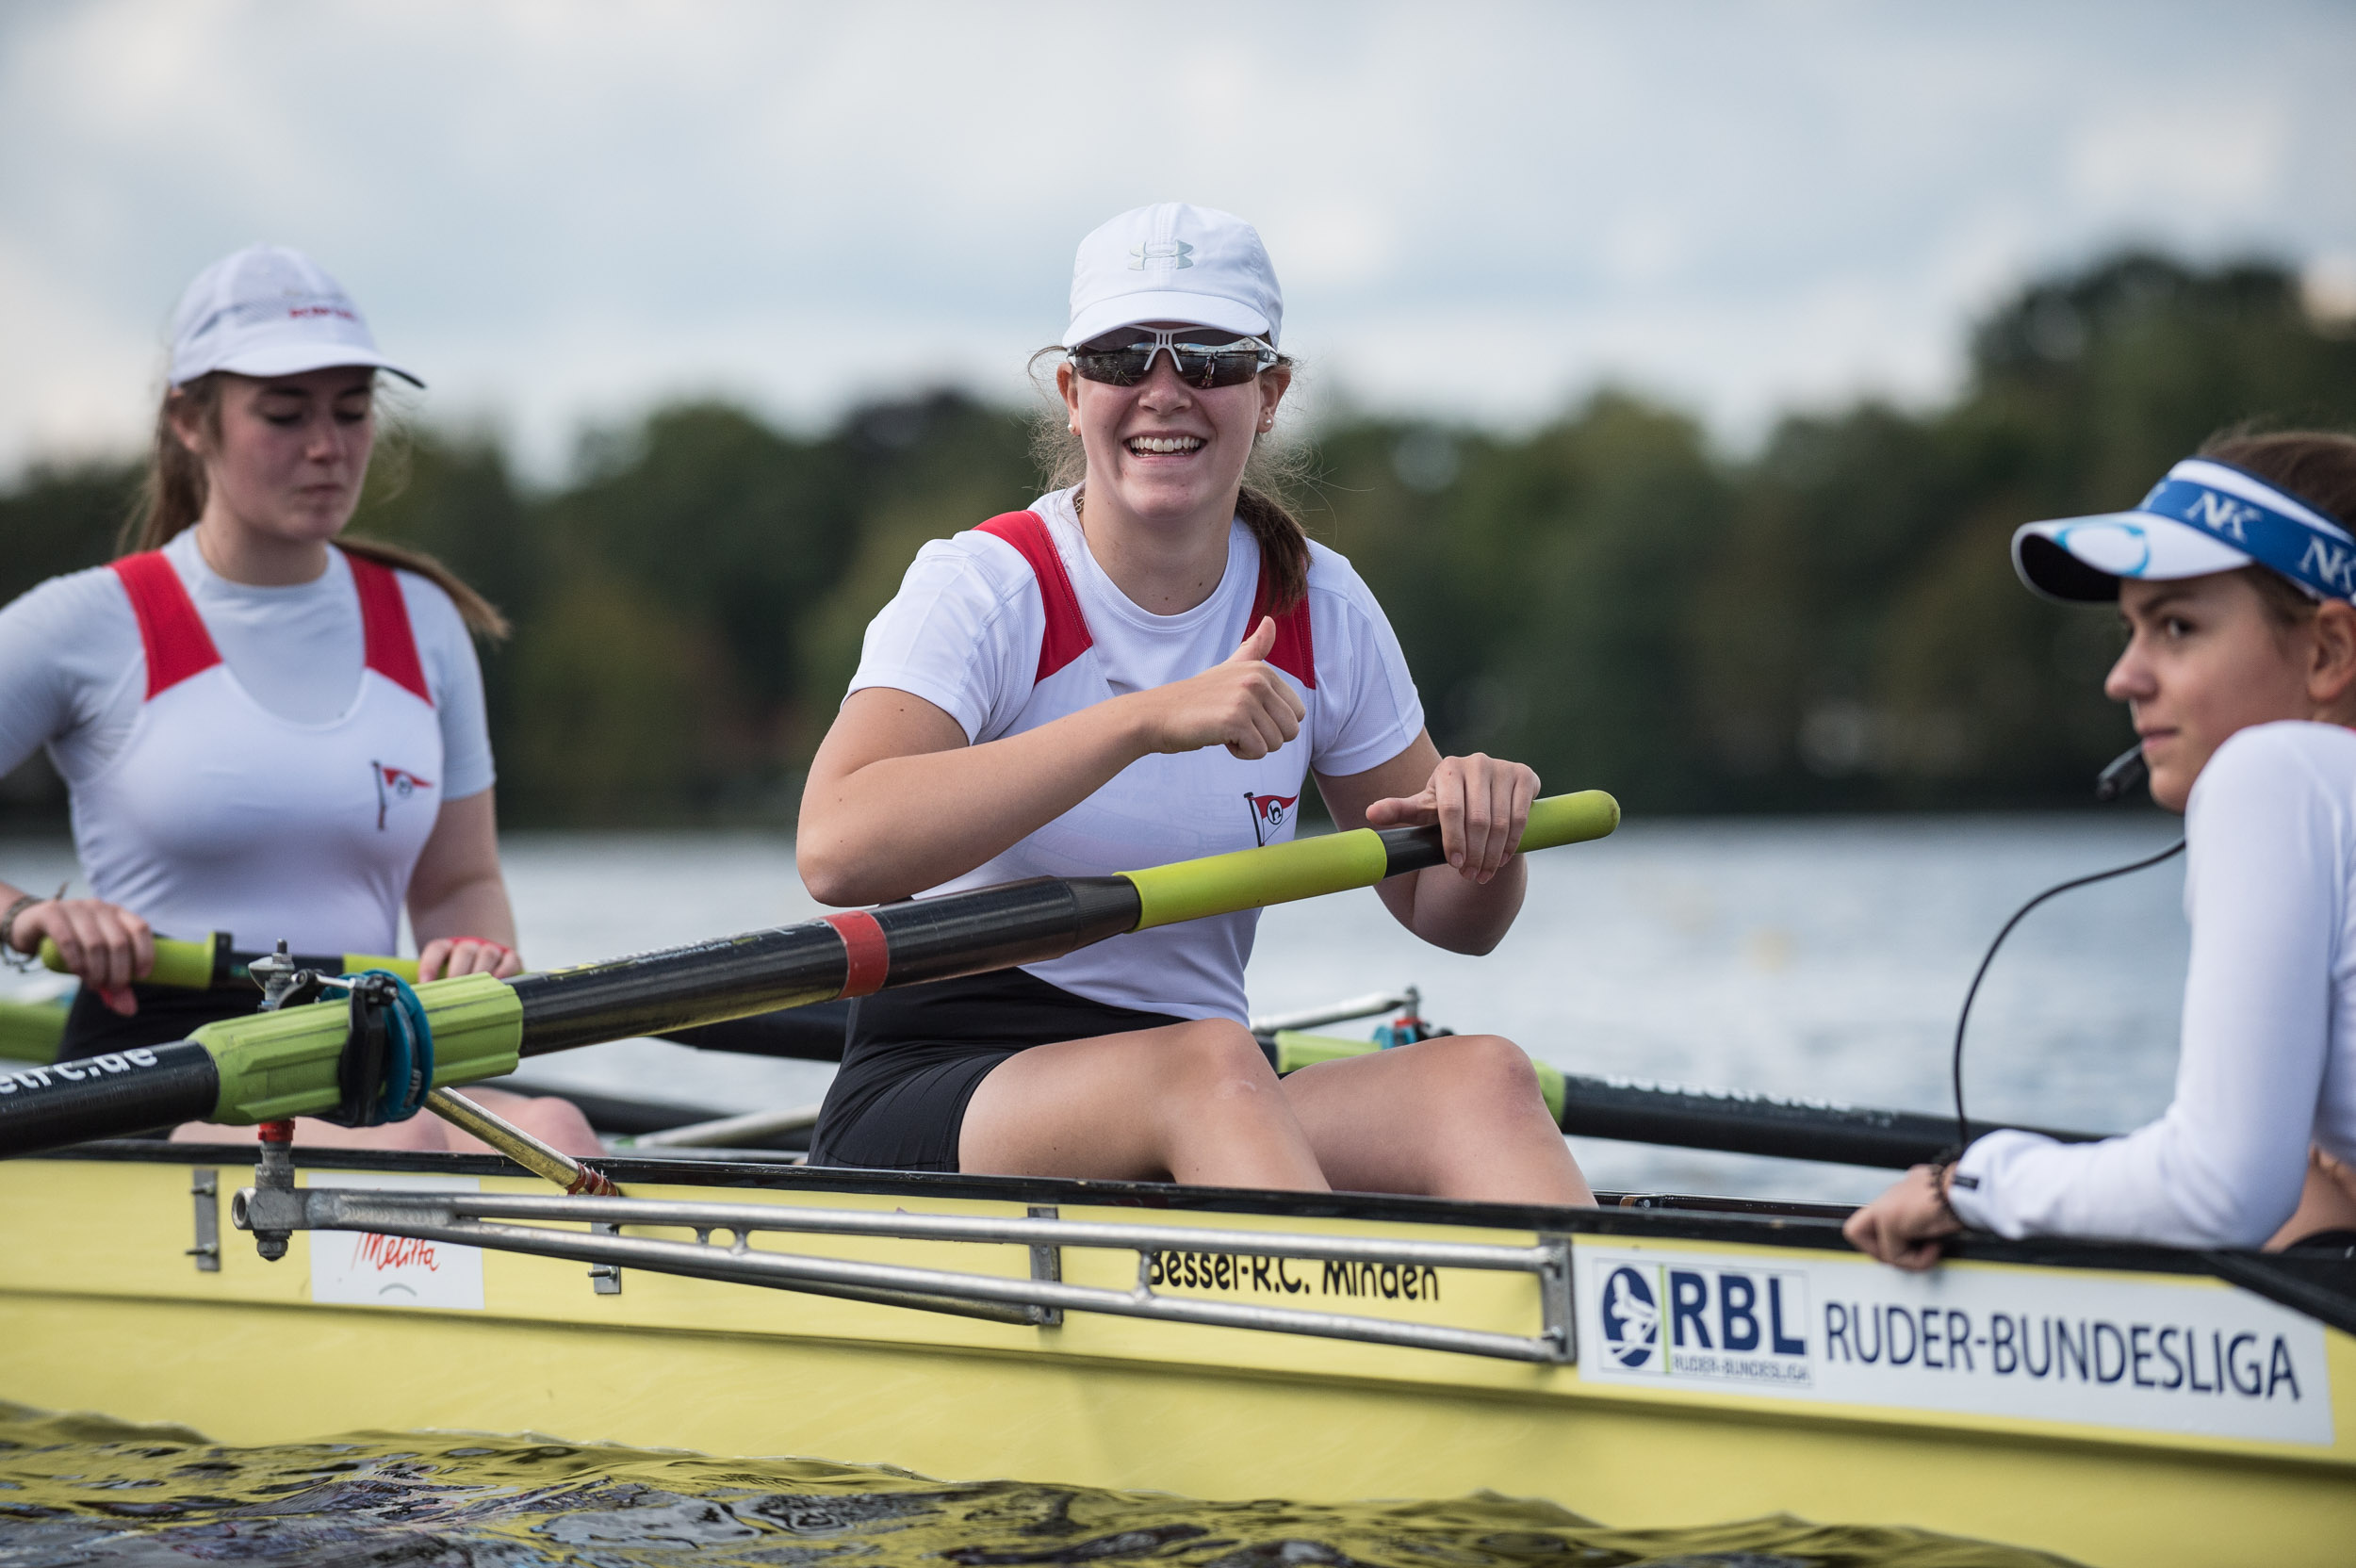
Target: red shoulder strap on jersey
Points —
{"points": [[171, 631], [392, 648], [1294, 653], [1068, 636]]}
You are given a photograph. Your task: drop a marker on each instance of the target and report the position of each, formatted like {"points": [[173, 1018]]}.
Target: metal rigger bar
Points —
{"points": [[274, 1210]]}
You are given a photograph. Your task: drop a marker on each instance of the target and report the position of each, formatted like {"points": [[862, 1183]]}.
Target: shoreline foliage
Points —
{"points": [[1829, 624]]}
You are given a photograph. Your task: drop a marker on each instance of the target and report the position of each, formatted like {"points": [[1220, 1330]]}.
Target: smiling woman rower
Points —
{"points": [[262, 735], [2234, 577], [1146, 666]]}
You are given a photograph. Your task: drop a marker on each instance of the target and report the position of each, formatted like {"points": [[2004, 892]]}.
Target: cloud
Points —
{"points": [[2226, 156], [565, 212]]}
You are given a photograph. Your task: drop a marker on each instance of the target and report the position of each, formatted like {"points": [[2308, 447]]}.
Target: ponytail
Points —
{"points": [[482, 616], [172, 497], [1283, 544]]}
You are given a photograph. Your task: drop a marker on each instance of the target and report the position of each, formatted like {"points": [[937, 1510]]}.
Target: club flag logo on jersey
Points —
{"points": [[394, 784], [1268, 814]]}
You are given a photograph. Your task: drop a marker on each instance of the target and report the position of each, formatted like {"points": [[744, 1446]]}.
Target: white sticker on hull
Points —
{"points": [[2082, 1348], [361, 1268]]}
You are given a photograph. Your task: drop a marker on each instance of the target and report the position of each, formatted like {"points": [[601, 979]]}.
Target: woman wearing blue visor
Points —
{"points": [[2234, 579]]}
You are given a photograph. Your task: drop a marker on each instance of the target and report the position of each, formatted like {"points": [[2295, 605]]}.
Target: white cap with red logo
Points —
{"points": [[1172, 262], [270, 311]]}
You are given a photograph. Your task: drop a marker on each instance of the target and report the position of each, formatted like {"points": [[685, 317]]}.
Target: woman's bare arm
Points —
{"points": [[1481, 804], [456, 892], [897, 801]]}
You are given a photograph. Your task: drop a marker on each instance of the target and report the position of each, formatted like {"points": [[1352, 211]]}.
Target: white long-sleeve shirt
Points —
{"points": [[2267, 1060]]}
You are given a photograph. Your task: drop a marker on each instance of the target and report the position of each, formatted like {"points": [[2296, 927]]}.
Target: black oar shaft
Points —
{"points": [[112, 1094], [849, 954], [1744, 1124], [861, 951]]}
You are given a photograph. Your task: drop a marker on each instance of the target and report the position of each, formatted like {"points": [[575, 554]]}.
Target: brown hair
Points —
{"points": [[1270, 470], [172, 497], [2319, 467]]}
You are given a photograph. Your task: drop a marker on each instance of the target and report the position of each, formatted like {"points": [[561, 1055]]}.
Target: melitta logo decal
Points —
{"points": [[1270, 813], [2072, 1346], [362, 1269], [394, 785]]}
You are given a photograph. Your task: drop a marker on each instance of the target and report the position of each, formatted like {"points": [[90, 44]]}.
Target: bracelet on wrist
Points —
{"points": [[8, 927], [1938, 1190], [8, 931]]}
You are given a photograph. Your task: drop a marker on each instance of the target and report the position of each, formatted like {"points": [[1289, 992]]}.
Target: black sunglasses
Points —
{"points": [[1201, 356]]}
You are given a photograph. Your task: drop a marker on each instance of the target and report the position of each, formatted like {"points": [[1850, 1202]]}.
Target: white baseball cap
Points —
{"points": [[270, 311], [1171, 262]]}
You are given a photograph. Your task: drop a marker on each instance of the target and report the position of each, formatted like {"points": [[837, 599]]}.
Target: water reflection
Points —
{"points": [[79, 1491]]}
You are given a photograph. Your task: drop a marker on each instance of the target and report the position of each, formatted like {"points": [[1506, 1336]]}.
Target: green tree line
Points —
{"points": [[1830, 623]]}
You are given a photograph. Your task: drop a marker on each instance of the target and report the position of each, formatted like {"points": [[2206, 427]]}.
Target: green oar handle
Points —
{"points": [[1253, 878], [187, 965], [201, 966]]}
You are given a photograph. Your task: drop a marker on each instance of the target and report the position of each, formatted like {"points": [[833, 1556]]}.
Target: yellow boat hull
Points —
{"points": [[101, 1308]]}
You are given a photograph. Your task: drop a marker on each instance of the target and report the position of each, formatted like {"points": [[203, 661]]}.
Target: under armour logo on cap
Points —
{"points": [[1171, 252], [1175, 262]]}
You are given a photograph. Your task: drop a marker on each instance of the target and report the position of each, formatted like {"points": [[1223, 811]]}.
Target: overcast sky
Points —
{"points": [[563, 212]]}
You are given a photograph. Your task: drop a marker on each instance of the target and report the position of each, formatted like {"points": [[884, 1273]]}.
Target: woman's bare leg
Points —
{"points": [[1195, 1102], [1457, 1117]]}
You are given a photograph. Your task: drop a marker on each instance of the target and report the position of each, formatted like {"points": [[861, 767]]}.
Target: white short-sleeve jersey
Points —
{"points": [[1013, 624], [2268, 1059], [266, 762]]}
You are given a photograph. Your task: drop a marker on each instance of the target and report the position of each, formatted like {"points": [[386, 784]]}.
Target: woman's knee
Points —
{"points": [[1483, 1074], [1218, 1059]]}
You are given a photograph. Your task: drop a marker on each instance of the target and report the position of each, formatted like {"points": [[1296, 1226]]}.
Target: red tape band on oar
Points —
{"points": [[864, 946]]}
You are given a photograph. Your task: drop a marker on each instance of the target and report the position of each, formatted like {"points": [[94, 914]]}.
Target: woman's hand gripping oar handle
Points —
{"points": [[1334, 862], [285, 1063], [199, 966]]}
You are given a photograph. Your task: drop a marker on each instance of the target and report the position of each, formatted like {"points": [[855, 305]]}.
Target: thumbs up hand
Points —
{"points": [[1243, 703]]}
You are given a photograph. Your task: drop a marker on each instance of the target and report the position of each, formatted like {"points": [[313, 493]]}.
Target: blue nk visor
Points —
{"points": [[2205, 516]]}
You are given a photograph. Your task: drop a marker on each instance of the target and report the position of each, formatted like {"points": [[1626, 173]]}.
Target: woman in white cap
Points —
{"points": [[262, 735], [1144, 666], [2234, 577]]}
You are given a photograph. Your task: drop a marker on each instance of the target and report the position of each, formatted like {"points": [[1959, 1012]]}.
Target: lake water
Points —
{"points": [[85, 1493], [1818, 958]]}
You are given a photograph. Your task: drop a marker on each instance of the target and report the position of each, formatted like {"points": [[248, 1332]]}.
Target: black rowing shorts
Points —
{"points": [[914, 1055]]}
